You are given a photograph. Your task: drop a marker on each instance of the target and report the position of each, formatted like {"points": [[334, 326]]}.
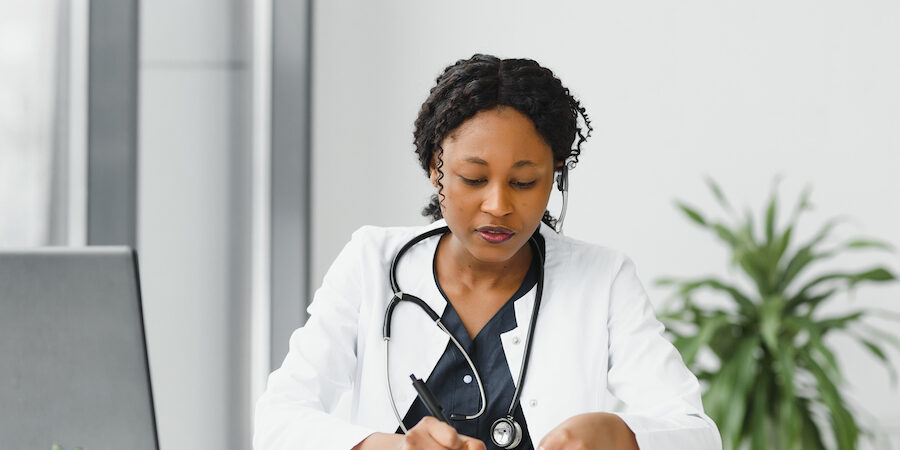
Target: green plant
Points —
{"points": [[777, 384]]}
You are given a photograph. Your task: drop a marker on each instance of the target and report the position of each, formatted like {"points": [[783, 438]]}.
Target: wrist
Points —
{"points": [[622, 436]]}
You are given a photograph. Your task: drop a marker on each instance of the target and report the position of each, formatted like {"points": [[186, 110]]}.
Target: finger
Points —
{"points": [[470, 443], [555, 440], [442, 433]]}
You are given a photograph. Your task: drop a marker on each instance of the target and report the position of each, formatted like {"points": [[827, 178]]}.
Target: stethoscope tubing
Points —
{"points": [[399, 296]]}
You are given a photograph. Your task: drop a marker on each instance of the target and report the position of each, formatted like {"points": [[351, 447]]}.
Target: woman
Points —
{"points": [[533, 336]]}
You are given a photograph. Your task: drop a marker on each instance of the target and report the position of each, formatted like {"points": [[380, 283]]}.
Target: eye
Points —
{"points": [[472, 182], [524, 185]]}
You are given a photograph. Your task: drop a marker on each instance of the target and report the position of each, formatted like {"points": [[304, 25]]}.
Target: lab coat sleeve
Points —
{"points": [[646, 372], [294, 411]]}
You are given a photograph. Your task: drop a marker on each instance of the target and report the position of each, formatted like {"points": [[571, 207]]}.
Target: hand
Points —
{"points": [[431, 433], [591, 431]]}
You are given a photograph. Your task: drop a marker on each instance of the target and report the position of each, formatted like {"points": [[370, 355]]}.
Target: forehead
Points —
{"points": [[498, 136]]}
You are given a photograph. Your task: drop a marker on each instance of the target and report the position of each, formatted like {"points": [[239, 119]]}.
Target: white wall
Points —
{"points": [[676, 91], [193, 226]]}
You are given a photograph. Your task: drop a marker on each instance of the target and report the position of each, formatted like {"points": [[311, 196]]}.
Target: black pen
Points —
{"points": [[431, 403]]}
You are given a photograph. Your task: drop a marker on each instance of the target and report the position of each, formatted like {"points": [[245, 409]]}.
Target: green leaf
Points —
{"points": [[798, 324], [879, 353], [692, 214], [725, 235], [788, 414], [771, 210], [811, 435], [725, 340], [780, 245], [839, 321], [770, 322], [758, 417], [800, 260], [816, 346], [717, 193], [845, 428], [665, 281], [878, 274], [707, 329], [810, 302], [880, 334], [746, 232], [803, 203], [869, 243], [753, 261], [806, 254], [744, 303], [729, 391]]}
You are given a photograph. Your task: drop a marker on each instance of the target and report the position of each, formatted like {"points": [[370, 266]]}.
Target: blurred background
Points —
{"points": [[238, 144]]}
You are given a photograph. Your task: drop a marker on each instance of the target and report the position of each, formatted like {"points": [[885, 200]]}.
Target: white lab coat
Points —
{"points": [[596, 339]]}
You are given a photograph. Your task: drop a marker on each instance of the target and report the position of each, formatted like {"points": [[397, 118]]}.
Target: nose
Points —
{"points": [[497, 201]]}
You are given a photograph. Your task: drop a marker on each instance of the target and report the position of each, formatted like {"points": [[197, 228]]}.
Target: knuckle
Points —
{"points": [[413, 434], [446, 435]]}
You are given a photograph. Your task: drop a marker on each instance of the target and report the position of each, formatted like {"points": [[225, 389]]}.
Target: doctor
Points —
{"points": [[538, 337]]}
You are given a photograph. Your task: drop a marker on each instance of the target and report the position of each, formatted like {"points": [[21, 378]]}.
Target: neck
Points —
{"points": [[462, 266]]}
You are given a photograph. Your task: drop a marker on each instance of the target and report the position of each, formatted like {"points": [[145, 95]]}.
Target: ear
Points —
{"points": [[559, 165], [433, 173]]}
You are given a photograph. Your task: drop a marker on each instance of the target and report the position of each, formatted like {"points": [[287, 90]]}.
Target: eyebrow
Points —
{"points": [[479, 161]]}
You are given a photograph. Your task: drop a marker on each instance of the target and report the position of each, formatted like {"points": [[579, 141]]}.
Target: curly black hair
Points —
{"points": [[484, 82]]}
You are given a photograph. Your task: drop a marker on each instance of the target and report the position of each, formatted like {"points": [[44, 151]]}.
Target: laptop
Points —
{"points": [[73, 358]]}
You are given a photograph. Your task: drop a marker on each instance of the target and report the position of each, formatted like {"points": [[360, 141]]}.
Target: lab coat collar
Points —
{"points": [[514, 340], [418, 344]]}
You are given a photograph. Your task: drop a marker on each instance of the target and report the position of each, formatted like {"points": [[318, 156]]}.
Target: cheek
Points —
{"points": [[460, 198], [541, 202], [540, 195]]}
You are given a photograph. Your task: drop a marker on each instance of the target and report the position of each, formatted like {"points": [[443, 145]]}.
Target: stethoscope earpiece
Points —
{"points": [[562, 178], [562, 182]]}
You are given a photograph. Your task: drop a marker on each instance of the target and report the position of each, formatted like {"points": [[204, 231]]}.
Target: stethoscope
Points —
{"points": [[505, 431]]}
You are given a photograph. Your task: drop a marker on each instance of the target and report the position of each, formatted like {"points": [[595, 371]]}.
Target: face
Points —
{"points": [[498, 174]]}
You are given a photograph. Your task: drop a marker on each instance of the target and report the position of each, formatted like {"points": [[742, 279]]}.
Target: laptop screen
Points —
{"points": [[73, 360]]}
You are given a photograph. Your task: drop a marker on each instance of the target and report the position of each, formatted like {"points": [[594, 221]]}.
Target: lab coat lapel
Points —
{"points": [[537, 381], [416, 342], [514, 340]]}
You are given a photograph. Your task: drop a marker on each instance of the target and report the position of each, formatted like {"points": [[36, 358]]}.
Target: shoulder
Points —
{"points": [[585, 257], [385, 240]]}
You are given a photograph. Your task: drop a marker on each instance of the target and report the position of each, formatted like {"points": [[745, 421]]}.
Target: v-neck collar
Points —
{"points": [[453, 322]]}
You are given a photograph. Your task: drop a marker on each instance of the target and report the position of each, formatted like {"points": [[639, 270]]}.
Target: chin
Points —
{"points": [[495, 253]]}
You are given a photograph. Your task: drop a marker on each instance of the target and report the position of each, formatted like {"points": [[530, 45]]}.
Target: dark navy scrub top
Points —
{"points": [[453, 383]]}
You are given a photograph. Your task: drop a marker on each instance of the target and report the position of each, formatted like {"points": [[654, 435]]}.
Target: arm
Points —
{"points": [[428, 433], [294, 411], [646, 372]]}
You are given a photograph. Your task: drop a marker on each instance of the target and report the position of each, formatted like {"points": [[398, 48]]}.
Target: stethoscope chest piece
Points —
{"points": [[506, 433]]}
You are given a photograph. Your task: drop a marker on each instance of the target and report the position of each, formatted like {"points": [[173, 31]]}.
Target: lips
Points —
{"points": [[494, 234]]}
